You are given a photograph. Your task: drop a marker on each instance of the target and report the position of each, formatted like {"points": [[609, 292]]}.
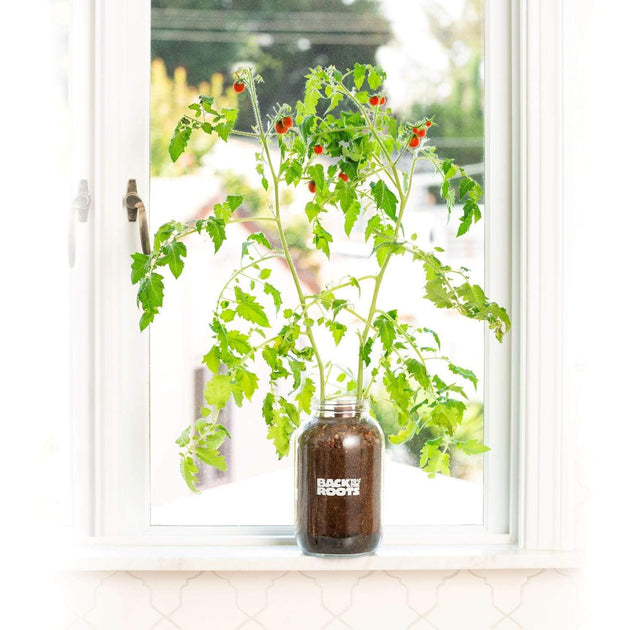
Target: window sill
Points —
{"points": [[98, 556]]}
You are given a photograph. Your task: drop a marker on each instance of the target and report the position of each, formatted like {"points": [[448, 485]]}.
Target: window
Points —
{"points": [[140, 403]]}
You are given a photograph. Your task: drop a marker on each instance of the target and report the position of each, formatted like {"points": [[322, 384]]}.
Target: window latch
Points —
{"points": [[136, 211], [79, 209]]}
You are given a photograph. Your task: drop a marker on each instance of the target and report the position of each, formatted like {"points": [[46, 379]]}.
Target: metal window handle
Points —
{"points": [[79, 209], [137, 211]]}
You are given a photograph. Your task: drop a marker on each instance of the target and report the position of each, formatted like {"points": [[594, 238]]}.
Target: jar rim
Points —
{"points": [[339, 407]]}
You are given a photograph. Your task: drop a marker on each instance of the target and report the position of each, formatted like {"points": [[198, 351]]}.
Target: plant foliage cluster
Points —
{"points": [[343, 142]]}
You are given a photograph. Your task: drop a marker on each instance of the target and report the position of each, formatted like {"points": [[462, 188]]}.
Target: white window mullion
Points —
{"points": [[545, 485], [122, 357], [499, 274]]}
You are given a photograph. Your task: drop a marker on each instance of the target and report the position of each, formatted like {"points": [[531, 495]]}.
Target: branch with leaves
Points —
{"points": [[344, 144]]}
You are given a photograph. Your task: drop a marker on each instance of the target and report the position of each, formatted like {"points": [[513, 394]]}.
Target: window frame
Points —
{"points": [[527, 470]]}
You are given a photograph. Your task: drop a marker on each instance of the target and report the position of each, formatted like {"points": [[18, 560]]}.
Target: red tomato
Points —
{"points": [[287, 122], [280, 128], [318, 149], [374, 101], [414, 142], [311, 186], [382, 100], [422, 133], [343, 176], [238, 86]]}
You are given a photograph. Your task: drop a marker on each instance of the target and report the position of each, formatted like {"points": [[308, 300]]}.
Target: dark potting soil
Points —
{"points": [[339, 486]]}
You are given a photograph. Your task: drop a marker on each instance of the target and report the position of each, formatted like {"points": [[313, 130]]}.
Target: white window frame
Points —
{"points": [[527, 473]]}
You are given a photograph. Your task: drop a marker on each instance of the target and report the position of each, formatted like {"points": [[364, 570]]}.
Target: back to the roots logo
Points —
{"points": [[338, 487]]}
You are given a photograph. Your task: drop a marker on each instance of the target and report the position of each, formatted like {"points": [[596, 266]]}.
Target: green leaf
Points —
{"points": [[147, 318], [249, 309], [365, 350], [215, 228], [269, 289], [139, 267], [405, 434], [316, 173], [211, 457], [337, 329], [173, 254], [238, 341], [312, 209], [151, 291], [246, 381], [384, 198], [189, 472], [433, 460], [305, 396], [386, 328], [374, 78], [359, 75], [448, 415], [417, 369], [212, 359], [260, 238], [351, 216], [467, 374], [179, 140], [218, 390], [184, 438], [321, 238], [471, 447]]}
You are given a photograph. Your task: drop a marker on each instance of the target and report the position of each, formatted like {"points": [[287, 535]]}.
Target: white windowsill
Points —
{"points": [[146, 557]]}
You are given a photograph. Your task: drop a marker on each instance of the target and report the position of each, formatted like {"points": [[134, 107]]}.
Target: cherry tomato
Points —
{"points": [[421, 133], [312, 186], [414, 142], [238, 86], [428, 123], [382, 100], [287, 122], [374, 101], [280, 128], [343, 176], [318, 149]]}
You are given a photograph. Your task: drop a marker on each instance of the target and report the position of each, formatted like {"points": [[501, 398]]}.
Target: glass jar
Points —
{"points": [[339, 464]]}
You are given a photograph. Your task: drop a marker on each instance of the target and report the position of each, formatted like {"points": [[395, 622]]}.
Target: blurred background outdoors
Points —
{"points": [[432, 52]]}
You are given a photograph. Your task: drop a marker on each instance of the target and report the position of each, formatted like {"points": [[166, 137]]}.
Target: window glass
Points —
{"points": [[433, 55]]}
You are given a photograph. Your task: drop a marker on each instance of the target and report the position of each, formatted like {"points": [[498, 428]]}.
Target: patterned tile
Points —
{"points": [[165, 624], [122, 602], [336, 588], [506, 587], [464, 601], [379, 601], [422, 587], [422, 600], [507, 624], [548, 602], [165, 588], [251, 589], [294, 600], [207, 601]]}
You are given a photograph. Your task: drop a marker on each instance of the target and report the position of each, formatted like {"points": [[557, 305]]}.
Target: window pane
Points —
{"points": [[432, 53]]}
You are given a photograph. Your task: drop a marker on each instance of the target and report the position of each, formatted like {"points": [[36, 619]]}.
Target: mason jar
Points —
{"points": [[339, 463]]}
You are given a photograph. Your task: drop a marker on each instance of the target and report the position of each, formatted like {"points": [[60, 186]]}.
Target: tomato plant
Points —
{"points": [[362, 175]]}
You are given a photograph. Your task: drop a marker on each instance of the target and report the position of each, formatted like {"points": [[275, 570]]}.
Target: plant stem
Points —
{"points": [[283, 240]]}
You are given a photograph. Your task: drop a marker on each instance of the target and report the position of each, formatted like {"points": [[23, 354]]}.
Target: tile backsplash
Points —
{"points": [[545, 599]]}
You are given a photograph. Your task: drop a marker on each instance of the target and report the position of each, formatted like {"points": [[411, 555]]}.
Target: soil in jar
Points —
{"points": [[339, 486]]}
